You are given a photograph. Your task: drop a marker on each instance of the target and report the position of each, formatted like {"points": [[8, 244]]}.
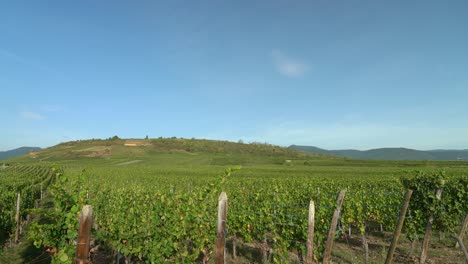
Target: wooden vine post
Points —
{"points": [[234, 247], [17, 218], [401, 221], [460, 242], [84, 234], [221, 230], [310, 234], [365, 245], [462, 231], [428, 234], [334, 223]]}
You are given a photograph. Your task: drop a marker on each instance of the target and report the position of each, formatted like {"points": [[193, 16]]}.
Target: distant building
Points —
{"points": [[136, 142]]}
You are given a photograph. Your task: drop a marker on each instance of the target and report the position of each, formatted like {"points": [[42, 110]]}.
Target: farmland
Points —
{"points": [[156, 200]]}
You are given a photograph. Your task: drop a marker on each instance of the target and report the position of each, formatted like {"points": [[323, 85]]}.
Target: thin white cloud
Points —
{"points": [[31, 115], [25, 61], [288, 66]]}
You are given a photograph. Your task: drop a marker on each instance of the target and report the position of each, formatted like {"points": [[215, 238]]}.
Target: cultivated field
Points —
{"points": [[157, 201]]}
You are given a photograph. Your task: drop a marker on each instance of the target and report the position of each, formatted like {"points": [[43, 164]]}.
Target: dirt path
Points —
{"points": [[128, 162]]}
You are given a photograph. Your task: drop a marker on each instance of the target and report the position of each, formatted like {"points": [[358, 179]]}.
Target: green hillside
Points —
{"points": [[167, 150]]}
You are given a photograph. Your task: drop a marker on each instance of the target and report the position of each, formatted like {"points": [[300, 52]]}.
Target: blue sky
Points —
{"points": [[333, 74]]}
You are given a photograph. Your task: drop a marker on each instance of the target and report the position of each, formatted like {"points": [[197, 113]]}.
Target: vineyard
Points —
{"points": [[165, 210], [29, 182], [176, 222]]}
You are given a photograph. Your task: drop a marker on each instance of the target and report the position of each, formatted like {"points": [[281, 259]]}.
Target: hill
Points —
{"points": [[17, 152], [200, 151], [389, 153]]}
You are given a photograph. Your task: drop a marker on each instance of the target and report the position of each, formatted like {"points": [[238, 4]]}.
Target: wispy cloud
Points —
{"points": [[288, 66], [26, 61], [32, 115]]}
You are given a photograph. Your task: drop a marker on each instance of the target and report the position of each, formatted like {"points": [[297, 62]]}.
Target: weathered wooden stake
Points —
{"points": [[265, 250], [462, 231], [221, 230], [413, 245], [234, 247], [18, 222], [310, 234], [331, 232], [84, 234], [401, 220], [365, 246], [427, 236], [460, 242], [340, 199]]}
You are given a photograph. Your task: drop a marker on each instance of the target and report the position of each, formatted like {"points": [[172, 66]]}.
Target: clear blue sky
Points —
{"points": [[333, 74]]}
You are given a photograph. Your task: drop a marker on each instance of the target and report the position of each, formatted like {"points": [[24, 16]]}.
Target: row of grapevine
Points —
{"points": [[174, 221], [29, 181]]}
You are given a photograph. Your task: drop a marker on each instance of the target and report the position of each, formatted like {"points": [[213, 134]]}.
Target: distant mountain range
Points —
{"points": [[390, 153], [16, 152]]}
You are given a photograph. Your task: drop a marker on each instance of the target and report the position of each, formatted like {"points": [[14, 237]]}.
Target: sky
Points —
{"points": [[331, 74]]}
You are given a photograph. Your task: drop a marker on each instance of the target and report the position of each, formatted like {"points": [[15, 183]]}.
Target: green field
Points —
{"points": [[156, 200]]}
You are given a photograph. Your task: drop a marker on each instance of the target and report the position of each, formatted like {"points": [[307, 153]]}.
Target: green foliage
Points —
{"points": [[26, 180], [159, 226], [447, 211], [164, 208], [58, 228], [169, 214]]}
